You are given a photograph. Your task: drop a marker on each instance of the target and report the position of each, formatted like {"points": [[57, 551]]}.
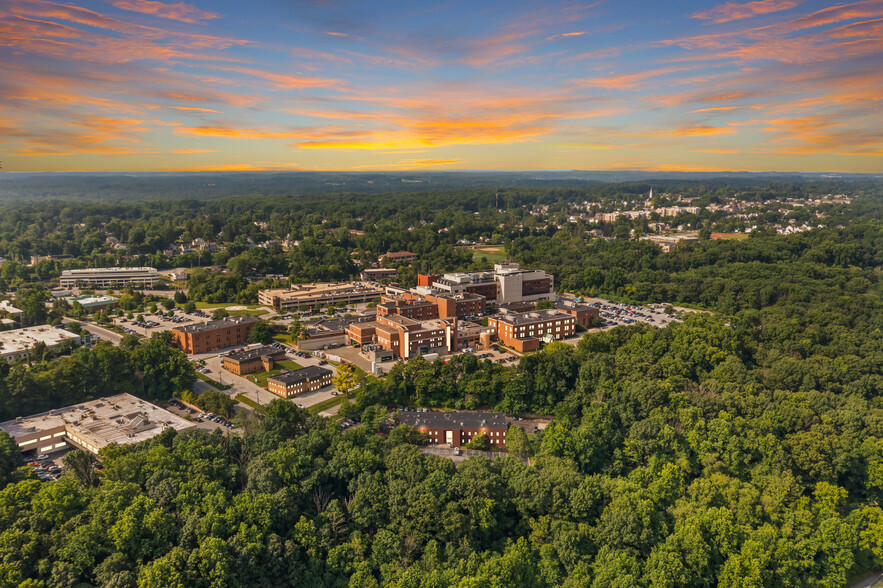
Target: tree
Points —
{"points": [[345, 378], [295, 329], [82, 466], [168, 303], [517, 443], [164, 368], [479, 442], [189, 306], [216, 402], [220, 313], [180, 297], [260, 333], [10, 458]]}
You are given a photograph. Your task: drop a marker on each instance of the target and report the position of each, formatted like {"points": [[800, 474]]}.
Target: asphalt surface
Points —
{"points": [[105, 334]]}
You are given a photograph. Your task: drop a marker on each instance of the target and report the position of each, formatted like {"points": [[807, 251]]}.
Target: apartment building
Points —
{"points": [[108, 277], [525, 330], [291, 383], [212, 335], [457, 428]]}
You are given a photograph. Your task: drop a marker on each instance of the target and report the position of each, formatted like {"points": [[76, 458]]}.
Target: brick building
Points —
{"points": [[583, 312], [406, 337], [458, 305], [292, 383], [457, 428], [252, 361], [524, 331], [506, 283], [398, 257], [205, 337], [413, 308]]}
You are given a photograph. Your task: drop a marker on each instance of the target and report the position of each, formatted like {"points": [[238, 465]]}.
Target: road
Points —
{"points": [[105, 334]]}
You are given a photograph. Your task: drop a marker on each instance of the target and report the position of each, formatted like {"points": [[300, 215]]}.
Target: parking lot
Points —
{"points": [[155, 322], [615, 314], [199, 418]]}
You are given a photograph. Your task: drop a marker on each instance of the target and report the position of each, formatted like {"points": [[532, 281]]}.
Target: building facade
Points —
{"points": [[212, 335], [506, 283], [252, 361], [315, 295], [457, 428], [292, 383], [122, 419], [414, 308], [107, 277], [524, 331], [582, 312]]}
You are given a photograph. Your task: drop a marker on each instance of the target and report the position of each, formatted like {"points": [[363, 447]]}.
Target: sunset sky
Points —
{"points": [[144, 85]]}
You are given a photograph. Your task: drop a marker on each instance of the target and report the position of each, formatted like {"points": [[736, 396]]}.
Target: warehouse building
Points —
{"points": [[122, 419]]}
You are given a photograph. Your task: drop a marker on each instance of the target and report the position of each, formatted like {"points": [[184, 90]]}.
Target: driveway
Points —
{"points": [[105, 334]]}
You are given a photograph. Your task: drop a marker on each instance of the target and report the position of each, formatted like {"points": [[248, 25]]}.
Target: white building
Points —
{"points": [[106, 277], [18, 343], [122, 419]]}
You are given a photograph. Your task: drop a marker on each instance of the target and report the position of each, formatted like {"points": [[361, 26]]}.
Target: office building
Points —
{"points": [[292, 383], [457, 428], [122, 419], [18, 343], [251, 361], [379, 273], [212, 335], [94, 303], [524, 331], [109, 277], [320, 294], [506, 283]]}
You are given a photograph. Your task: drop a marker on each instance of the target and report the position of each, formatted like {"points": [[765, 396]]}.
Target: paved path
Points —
{"points": [[111, 336]]}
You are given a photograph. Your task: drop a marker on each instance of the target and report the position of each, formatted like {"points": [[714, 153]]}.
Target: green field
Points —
{"points": [[250, 309], [498, 256], [261, 378]]}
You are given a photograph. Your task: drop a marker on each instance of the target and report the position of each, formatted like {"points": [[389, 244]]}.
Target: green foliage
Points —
{"points": [[216, 402], [479, 442], [260, 333]]}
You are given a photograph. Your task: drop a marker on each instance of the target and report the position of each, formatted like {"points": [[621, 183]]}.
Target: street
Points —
{"points": [[105, 334]]}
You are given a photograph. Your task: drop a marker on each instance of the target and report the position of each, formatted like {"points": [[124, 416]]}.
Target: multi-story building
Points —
{"points": [[406, 337], [212, 335], [379, 273], [458, 305], [292, 383], [322, 294], [414, 308], [506, 283], [94, 303], [583, 312], [251, 361], [524, 331], [398, 257], [122, 419], [18, 343], [457, 428], [108, 277]]}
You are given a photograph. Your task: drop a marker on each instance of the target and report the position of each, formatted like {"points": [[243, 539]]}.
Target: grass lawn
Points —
{"points": [[325, 404], [248, 401], [261, 378], [250, 309], [498, 256], [212, 382]]}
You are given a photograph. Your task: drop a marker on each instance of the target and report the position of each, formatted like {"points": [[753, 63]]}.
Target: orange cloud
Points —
{"points": [[629, 81], [178, 11], [189, 151], [733, 11], [728, 151], [563, 35]]}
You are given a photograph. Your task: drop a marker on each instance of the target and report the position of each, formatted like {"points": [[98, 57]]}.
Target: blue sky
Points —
{"points": [[145, 85]]}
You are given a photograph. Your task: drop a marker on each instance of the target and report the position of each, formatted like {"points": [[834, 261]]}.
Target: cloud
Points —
{"points": [[629, 81], [733, 11], [190, 151], [178, 11], [564, 35]]}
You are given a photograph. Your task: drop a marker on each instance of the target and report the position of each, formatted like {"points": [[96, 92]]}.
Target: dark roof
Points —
{"points": [[571, 305], [453, 420], [340, 324], [254, 353], [218, 324], [310, 373]]}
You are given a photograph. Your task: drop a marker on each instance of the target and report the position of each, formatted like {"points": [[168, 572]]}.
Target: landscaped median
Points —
{"points": [[211, 382], [325, 404]]}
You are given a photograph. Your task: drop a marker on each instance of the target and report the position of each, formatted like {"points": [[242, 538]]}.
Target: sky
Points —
{"points": [[388, 85]]}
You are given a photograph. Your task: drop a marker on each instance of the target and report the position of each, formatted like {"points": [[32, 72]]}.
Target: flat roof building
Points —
{"points": [[7, 307], [523, 331], [106, 277], [583, 312], [95, 302], [506, 283], [320, 294], [212, 335], [18, 343], [379, 273], [292, 383], [457, 428], [122, 419], [250, 361]]}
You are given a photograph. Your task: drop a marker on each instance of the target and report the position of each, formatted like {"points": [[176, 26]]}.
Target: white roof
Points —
{"points": [[19, 340]]}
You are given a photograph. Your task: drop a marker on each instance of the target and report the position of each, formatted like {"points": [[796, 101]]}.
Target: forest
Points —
{"points": [[741, 447]]}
